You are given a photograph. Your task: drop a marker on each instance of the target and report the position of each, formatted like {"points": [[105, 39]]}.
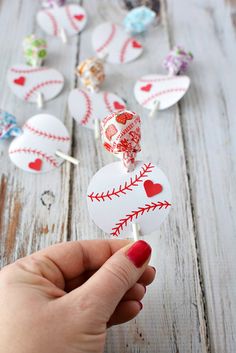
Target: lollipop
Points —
{"points": [[91, 73], [139, 19], [128, 197], [40, 146], [88, 105], [35, 50], [8, 125], [159, 92], [34, 84]]}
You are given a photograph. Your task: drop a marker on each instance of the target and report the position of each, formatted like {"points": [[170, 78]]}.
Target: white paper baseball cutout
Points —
{"points": [[85, 106], [72, 18], [111, 40], [34, 151], [117, 199], [168, 90], [26, 82]]}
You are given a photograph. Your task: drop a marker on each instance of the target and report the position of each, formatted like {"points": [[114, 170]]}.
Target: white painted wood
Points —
{"points": [[209, 127]]}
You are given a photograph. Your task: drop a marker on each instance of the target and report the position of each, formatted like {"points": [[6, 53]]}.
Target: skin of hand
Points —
{"points": [[63, 298]]}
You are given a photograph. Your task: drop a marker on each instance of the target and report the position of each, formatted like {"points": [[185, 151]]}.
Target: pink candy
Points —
{"points": [[177, 61], [121, 135]]}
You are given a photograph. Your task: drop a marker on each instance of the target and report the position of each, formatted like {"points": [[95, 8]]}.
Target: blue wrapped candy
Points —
{"points": [[139, 19], [8, 126]]}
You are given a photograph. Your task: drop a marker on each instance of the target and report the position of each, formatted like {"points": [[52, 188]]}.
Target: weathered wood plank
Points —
{"points": [[209, 127], [173, 318], [34, 209]]}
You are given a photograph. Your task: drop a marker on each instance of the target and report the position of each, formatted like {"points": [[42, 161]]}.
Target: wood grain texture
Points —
{"points": [[190, 307]]}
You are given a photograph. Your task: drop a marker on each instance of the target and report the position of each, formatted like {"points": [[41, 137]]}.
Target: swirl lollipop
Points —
{"points": [[159, 92], [128, 197]]}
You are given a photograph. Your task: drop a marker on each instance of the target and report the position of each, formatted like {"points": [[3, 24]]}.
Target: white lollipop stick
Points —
{"points": [[96, 129], [63, 35], [136, 231], [67, 158], [155, 108], [40, 100]]}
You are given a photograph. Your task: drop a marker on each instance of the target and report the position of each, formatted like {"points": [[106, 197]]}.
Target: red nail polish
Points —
{"points": [[139, 253]]}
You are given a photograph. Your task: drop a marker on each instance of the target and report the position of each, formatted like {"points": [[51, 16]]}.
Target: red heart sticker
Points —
{"points": [[36, 165], [20, 81], [136, 44], [146, 88], [151, 188], [117, 105], [122, 118], [79, 17]]}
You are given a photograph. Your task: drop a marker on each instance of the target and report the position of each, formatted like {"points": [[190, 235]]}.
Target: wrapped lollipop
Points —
{"points": [[88, 105], [40, 146], [61, 20], [31, 82], [159, 92], [139, 19], [129, 197]]}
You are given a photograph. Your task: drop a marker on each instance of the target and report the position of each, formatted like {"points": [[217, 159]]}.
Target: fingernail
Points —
{"points": [[140, 304], [139, 253], [154, 269]]}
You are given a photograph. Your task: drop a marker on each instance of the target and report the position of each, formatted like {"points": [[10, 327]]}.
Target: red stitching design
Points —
{"points": [[161, 94], [109, 39], [88, 113], [70, 18], [135, 214], [167, 78], [124, 48], [53, 21], [29, 71], [107, 103], [128, 186], [40, 85], [45, 134], [48, 158]]}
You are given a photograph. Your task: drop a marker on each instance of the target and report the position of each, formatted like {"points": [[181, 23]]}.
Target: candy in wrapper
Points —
{"points": [[8, 126], [139, 19], [121, 136], [35, 50], [177, 61], [52, 3], [91, 73]]}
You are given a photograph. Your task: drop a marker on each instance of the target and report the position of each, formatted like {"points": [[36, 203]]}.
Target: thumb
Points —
{"points": [[117, 275]]}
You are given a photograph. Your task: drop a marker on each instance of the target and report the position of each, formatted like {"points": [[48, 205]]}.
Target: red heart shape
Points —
{"points": [[20, 81], [147, 87], [136, 44], [117, 105], [151, 188], [36, 165], [79, 17], [123, 117]]}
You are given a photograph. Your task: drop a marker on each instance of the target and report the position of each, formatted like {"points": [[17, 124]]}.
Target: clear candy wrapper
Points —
{"points": [[35, 50], [177, 61], [91, 73], [139, 19], [8, 126]]}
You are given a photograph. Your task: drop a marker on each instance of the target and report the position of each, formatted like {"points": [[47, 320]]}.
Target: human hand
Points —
{"points": [[63, 298]]}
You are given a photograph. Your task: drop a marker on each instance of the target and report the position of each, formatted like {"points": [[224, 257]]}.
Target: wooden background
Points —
{"points": [[191, 306]]}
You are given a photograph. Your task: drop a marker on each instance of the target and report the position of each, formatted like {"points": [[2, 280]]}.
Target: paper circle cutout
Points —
{"points": [[72, 18], [86, 106], [117, 199], [25, 82], [111, 40], [34, 150], [168, 90]]}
